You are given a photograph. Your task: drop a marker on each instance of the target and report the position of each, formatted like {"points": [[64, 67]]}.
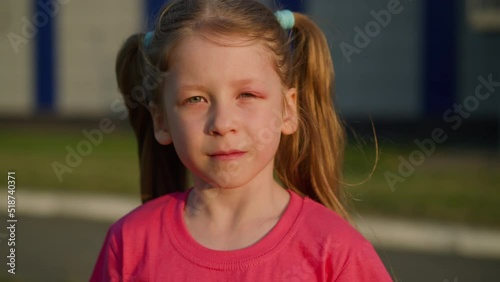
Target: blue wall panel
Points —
{"points": [[45, 59]]}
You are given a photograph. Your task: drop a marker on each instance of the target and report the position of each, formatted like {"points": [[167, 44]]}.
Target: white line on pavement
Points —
{"points": [[397, 234]]}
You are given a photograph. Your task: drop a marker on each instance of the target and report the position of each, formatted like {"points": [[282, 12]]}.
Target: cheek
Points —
{"points": [[184, 130], [269, 118], [186, 141], [266, 129]]}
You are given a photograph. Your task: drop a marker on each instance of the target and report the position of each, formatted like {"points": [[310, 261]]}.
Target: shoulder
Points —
{"points": [[145, 216], [343, 250], [326, 224], [326, 232], [130, 239]]}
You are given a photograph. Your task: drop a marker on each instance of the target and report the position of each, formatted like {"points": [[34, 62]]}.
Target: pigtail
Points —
{"points": [[310, 161], [161, 171]]}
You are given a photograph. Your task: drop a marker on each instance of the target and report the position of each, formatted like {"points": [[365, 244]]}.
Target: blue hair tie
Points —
{"points": [[148, 37], [285, 18]]}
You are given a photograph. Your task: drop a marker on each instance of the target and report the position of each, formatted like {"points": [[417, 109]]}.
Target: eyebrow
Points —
{"points": [[197, 87], [240, 82], [189, 87]]}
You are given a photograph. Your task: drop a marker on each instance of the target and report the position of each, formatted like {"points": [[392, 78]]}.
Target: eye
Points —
{"points": [[247, 95], [195, 100]]}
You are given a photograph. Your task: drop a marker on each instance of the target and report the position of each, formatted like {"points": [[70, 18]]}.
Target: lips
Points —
{"points": [[227, 155]]}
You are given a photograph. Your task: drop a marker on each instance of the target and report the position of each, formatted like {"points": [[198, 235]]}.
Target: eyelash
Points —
{"points": [[250, 95]]}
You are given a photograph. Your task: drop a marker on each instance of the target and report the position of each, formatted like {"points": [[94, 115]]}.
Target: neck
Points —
{"points": [[229, 208]]}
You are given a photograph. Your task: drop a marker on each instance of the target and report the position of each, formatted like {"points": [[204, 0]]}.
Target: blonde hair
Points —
{"points": [[309, 161]]}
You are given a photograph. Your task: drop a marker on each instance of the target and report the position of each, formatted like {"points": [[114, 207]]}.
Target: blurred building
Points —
{"points": [[393, 59]]}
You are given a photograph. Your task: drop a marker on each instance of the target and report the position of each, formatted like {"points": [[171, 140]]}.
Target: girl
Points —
{"points": [[241, 98]]}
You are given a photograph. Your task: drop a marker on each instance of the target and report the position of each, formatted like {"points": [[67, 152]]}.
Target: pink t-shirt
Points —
{"points": [[309, 243]]}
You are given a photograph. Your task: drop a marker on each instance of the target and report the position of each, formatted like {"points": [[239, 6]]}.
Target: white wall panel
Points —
{"points": [[16, 65], [90, 34]]}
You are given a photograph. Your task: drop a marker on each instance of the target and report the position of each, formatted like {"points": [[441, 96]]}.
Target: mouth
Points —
{"points": [[227, 155]]}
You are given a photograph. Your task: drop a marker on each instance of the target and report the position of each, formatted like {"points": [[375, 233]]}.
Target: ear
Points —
{"points": [[162, 134], [290, 118]]}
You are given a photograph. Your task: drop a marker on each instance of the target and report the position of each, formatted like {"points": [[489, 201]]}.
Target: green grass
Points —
{"points": [[460, 186], [111, 167], [450, 185]]}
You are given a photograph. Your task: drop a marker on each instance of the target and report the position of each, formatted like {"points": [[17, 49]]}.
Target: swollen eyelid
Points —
{"points": [[248, 95]]}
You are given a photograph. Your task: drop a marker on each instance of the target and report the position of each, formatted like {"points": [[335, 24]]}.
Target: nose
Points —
{"points": [[222, 120]]}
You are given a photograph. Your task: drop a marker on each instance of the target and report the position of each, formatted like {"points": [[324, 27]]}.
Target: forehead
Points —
{"points": [[197, 57]]}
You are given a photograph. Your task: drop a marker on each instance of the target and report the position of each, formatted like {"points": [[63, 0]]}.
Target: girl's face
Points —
{"points": [[225, 110]]}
